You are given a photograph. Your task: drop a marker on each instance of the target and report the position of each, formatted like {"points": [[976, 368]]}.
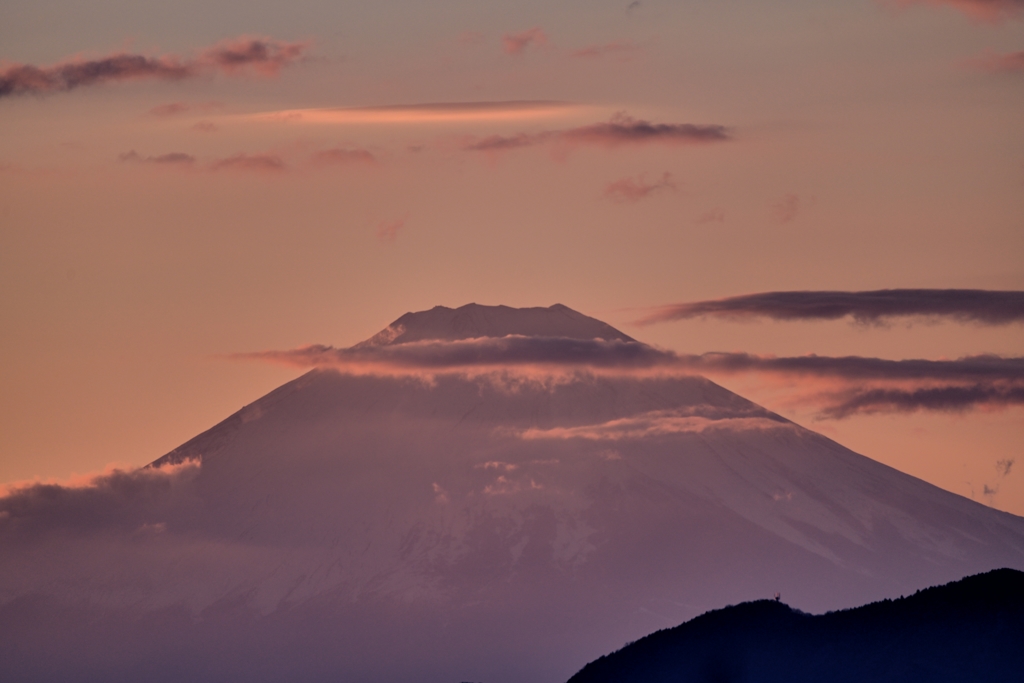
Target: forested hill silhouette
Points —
{"points": [[968, 630]]}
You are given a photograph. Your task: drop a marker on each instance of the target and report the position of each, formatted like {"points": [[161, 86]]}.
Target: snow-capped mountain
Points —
{"points": [[538, 498]]}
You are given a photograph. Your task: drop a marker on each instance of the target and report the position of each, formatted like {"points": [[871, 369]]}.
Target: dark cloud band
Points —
{"points": [[620, 130], [262, 55], [510, 351], [859, 368], [988, 307], [942, 398]]}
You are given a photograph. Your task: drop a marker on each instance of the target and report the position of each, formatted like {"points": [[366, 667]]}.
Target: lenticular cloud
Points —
{"points": [[466, 354], [981, 306]]}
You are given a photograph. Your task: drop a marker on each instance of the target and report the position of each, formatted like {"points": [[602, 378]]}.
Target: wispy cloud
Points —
{"points": [[340, 156], [501, 143], [516, 43], [985, 368], [612, 49], [620, 130], [634, 189], [954, 398], [785, 210], [664, 423], [387, 231], [178, 108], [250, 162], [1011, 62], [623, 129], [264, 56], [716, 215], [987, 307], [983, 10], [437, 112], [172, 158], [838, 387]]}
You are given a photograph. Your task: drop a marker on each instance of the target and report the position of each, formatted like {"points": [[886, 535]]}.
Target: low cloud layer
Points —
{"points": [[138, 500], [264, 56], [986, 307]]}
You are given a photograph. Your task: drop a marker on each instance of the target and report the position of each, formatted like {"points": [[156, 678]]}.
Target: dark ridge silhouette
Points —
{"points": [[968, 630]]}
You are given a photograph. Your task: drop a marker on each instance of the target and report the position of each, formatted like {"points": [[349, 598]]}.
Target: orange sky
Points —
{"points": [[408, 155]]}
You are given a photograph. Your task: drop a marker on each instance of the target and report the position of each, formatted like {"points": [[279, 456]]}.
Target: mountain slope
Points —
{"points": [[498, 525], [970, 630]]}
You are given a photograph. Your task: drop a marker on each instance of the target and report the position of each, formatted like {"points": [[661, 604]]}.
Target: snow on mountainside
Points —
{"points": [[498, 526]]}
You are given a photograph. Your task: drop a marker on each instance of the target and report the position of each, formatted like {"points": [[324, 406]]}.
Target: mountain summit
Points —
{"points": [[474, 321], [492, 525]]}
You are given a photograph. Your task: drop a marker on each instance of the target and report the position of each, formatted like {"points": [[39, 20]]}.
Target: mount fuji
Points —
{"points": [[474, 494]]}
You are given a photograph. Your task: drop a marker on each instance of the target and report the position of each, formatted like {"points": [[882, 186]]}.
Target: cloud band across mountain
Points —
{"points": [[836, 387], [484, 353], [986, 307]]}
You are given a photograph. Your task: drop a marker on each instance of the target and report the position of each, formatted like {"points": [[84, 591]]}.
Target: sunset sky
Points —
{"points": [[184, 186]]}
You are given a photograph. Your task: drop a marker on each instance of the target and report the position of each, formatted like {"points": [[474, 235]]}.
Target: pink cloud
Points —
{"points": [[661, 423], [786, 209], [264, 56], [468, 38], [172, 159], [341, 156], [713, 216], [635, 189], [205, 127], [387, 231], [620, 49], [516, 43], [179, 108], [171, 109], [1012, 62], [250, 162], [984, 10]]}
